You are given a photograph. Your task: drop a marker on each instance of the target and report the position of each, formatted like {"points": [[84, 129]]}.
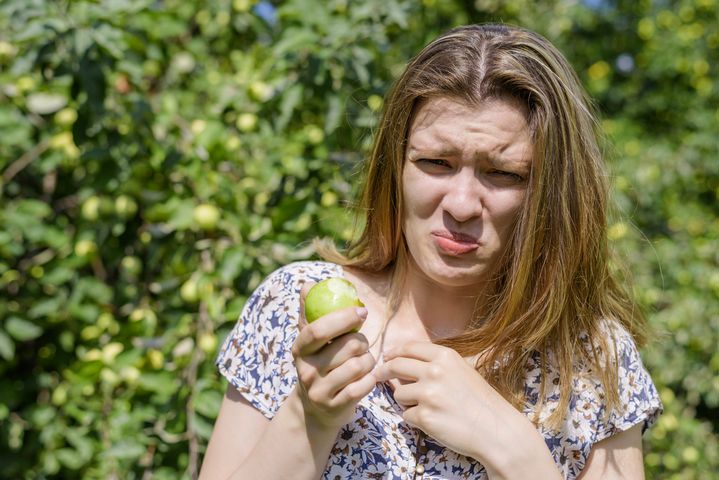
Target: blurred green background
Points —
{"points": [[159, 158]]}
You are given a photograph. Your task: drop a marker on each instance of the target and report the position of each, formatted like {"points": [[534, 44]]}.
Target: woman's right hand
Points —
{"points": [[334, 366]]}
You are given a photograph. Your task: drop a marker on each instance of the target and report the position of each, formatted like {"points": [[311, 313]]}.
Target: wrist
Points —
{"points": [[525, 458], [530, 465], [518, 450], [315, 425]]}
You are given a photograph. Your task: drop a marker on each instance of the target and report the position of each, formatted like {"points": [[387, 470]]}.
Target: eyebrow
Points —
{"points": [[444, 152], [449, 151]]}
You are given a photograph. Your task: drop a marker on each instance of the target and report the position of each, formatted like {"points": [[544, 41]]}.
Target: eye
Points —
{"points": [[515, 177], [434, 161]]}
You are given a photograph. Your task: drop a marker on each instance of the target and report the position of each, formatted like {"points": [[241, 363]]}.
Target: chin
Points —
{"points": [[455, 272]]}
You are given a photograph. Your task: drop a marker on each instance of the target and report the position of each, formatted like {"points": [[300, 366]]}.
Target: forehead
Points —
{"points": [[496, 128]]}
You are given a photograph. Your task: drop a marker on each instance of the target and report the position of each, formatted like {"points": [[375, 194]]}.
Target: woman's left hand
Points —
{"points": [[444, 396]]}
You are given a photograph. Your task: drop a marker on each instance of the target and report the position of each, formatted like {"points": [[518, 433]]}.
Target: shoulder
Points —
{"points": [[614, 346], [637, 396], [279, 291], [291, 277], [277, 299], [611, 346]]}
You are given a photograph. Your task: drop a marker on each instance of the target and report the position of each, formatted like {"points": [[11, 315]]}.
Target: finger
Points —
{"points": [[425, 351], [349, 372], [416, 416], [341, 349], [409, 395], [319, 333], [401, 368], [303, 294], [356, 390]]}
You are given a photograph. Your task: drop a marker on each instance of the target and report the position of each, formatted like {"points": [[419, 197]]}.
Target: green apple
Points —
{"points": [[125, 206], [206, 216], [330, 295], [246, 122], [91, 208], [131, 265], [374, 102], [207, 342], [66, 116], [85, 248], [189, 291], [242, 5], [260, 91], [315, 134], [7, 50]]}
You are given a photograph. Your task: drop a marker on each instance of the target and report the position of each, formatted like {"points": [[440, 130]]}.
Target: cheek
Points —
{"points": [[420, 196], [506, 210]]}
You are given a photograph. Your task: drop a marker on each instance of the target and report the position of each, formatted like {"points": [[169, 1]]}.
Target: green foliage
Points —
{"points": [[160, 158]]}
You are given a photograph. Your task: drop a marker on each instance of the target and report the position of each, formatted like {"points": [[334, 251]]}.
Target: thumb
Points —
{"points": [[303, 294]]}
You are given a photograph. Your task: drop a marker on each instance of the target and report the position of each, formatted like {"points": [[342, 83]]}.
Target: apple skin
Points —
{"points": [[206, 216], [329, 295]]}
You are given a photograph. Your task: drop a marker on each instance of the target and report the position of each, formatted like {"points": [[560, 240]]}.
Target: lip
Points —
{"points": [[455, 243]]}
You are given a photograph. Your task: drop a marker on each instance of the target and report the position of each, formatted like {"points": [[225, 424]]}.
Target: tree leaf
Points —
{"points": [[7, 347], [22, 330], [208, 403], [125, 450], [290, 100], [45, 103]]}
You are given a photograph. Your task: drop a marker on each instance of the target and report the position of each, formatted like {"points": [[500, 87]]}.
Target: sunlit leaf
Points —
{"points": [[22, 330], [7, 347]]}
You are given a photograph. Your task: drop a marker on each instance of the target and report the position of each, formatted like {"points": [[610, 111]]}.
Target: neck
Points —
{"points": [[443, 311]]}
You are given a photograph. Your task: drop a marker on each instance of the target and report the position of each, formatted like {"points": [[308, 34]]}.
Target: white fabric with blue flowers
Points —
{"points": [[256, 359]]}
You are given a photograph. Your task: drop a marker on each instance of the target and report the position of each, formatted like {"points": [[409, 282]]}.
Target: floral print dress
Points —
{"points": [[256, 359]]}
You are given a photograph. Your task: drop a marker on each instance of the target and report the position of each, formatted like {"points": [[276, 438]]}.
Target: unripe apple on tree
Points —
{"points": [[246, 122], [315, 134], [207, 342], [189, 291], [131, 265], [206, 216], [125, 206], [66, 116], [85, 248], [91, 208], [260, 91]]}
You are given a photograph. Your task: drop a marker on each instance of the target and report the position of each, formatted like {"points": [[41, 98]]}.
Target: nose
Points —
{"points": [[463, 198]]}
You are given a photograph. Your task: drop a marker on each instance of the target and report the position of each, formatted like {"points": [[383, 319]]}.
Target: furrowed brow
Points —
{"points": [[434, 152]]}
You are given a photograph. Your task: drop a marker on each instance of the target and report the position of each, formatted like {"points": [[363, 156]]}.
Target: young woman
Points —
{"points": [[495, 342]]}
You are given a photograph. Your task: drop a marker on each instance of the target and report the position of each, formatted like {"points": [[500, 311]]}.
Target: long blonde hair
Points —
{"points": [[554, 286]]}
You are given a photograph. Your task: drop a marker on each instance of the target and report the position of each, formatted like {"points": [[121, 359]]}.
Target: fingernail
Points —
{"points": [[361, 312]]}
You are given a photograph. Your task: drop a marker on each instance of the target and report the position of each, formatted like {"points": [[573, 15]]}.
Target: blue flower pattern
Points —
{"points": [[256, 359]]}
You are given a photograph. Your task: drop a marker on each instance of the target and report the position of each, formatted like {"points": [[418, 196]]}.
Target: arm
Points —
{"points": [[226, 447], [245, 443], [517, 450], [334, 372], [617, 457]]}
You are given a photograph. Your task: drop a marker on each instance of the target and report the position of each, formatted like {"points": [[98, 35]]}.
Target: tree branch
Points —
{"points": [[25, 159]]}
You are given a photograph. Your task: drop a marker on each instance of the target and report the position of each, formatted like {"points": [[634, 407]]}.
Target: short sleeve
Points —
{"points": [[587, 420], [256, 357], [639, 401]]}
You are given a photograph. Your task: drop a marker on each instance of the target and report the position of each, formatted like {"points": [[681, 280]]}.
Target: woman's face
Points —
{"points": [[464, 180]]}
